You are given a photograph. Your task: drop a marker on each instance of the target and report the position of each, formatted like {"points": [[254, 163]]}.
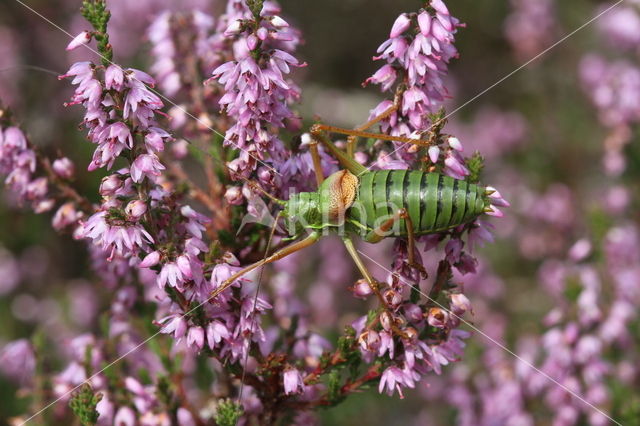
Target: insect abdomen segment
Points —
{"points": [[433, 201]]}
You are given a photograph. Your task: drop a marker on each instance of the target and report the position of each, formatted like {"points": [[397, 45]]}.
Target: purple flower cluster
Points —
{"points": [[175, 36], [417, 55], [257, 92], [530, 27], [18, 162]]}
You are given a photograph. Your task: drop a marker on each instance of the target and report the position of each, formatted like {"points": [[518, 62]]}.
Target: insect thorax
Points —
{"points": [[302, 211]]}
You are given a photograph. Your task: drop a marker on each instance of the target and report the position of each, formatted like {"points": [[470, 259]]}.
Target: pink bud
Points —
{"points": [[136, 209], [150, 260], [278, 22], [234, 28], [401, 25], [494, 211], [386, 320], [262, 33], [292, 381], [233, 195], [580, 250], [392, 298], [63, 167], [460, 303], [455, 143], [434, 153], [110, 184], [361, 289], [252, 42], [424, 21], [125, 417], [79, 40], [437, 317]]}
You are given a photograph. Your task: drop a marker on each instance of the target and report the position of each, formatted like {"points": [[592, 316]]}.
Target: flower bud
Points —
{"points": [[369, 341], [109, 185], [455, 143], [434, 153], [361, 289], [136, 209], [386, 320], [460, 304], [234, 28], [437, 317], [262, 33], [63, 167], [278, 22], [252, 42], [79, 40], [392, 298], [233, 195], [150, 260], [401, 25]]}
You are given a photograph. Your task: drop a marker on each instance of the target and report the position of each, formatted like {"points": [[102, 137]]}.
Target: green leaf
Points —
{"points": [[228, 413], [83, 403]]}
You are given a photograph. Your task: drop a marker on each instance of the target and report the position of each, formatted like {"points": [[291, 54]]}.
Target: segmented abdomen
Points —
{"points": [[434, 202]]}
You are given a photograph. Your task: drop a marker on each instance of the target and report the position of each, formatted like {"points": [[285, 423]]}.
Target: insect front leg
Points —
{"points": [[286, 251], [353, 139], [317, 165]]}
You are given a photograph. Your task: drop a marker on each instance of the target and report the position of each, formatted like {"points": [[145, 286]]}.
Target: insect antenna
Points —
{"points": [[255, 303]]}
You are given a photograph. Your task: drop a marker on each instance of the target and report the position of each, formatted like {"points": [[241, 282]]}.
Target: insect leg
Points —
{"points": [[352, 139], [347, 162], [378, 234], [315, 156], [411, 245], [362, 268], [286, 251], [333, 129]]}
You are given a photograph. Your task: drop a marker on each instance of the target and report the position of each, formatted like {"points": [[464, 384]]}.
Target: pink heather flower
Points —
{"points": [[125, 416], [170, 274], [437, 318], [17, 360], [531, 26], [434, 153], [621, 25], [392, 379], [460, 304], [174, 324], [401, 25], [293, 383], [66, 215], [361, 289], [455, 143], [216, 333], [257, 94], [195, 338], [136, 209], [146, 165], [385, 76], [109, 185], [120, 239], [150, 260], [63, 168], [79, 40], [114, 77]]}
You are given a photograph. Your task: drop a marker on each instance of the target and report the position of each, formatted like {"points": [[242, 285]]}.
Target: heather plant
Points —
{"points": [[214, 221]]}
